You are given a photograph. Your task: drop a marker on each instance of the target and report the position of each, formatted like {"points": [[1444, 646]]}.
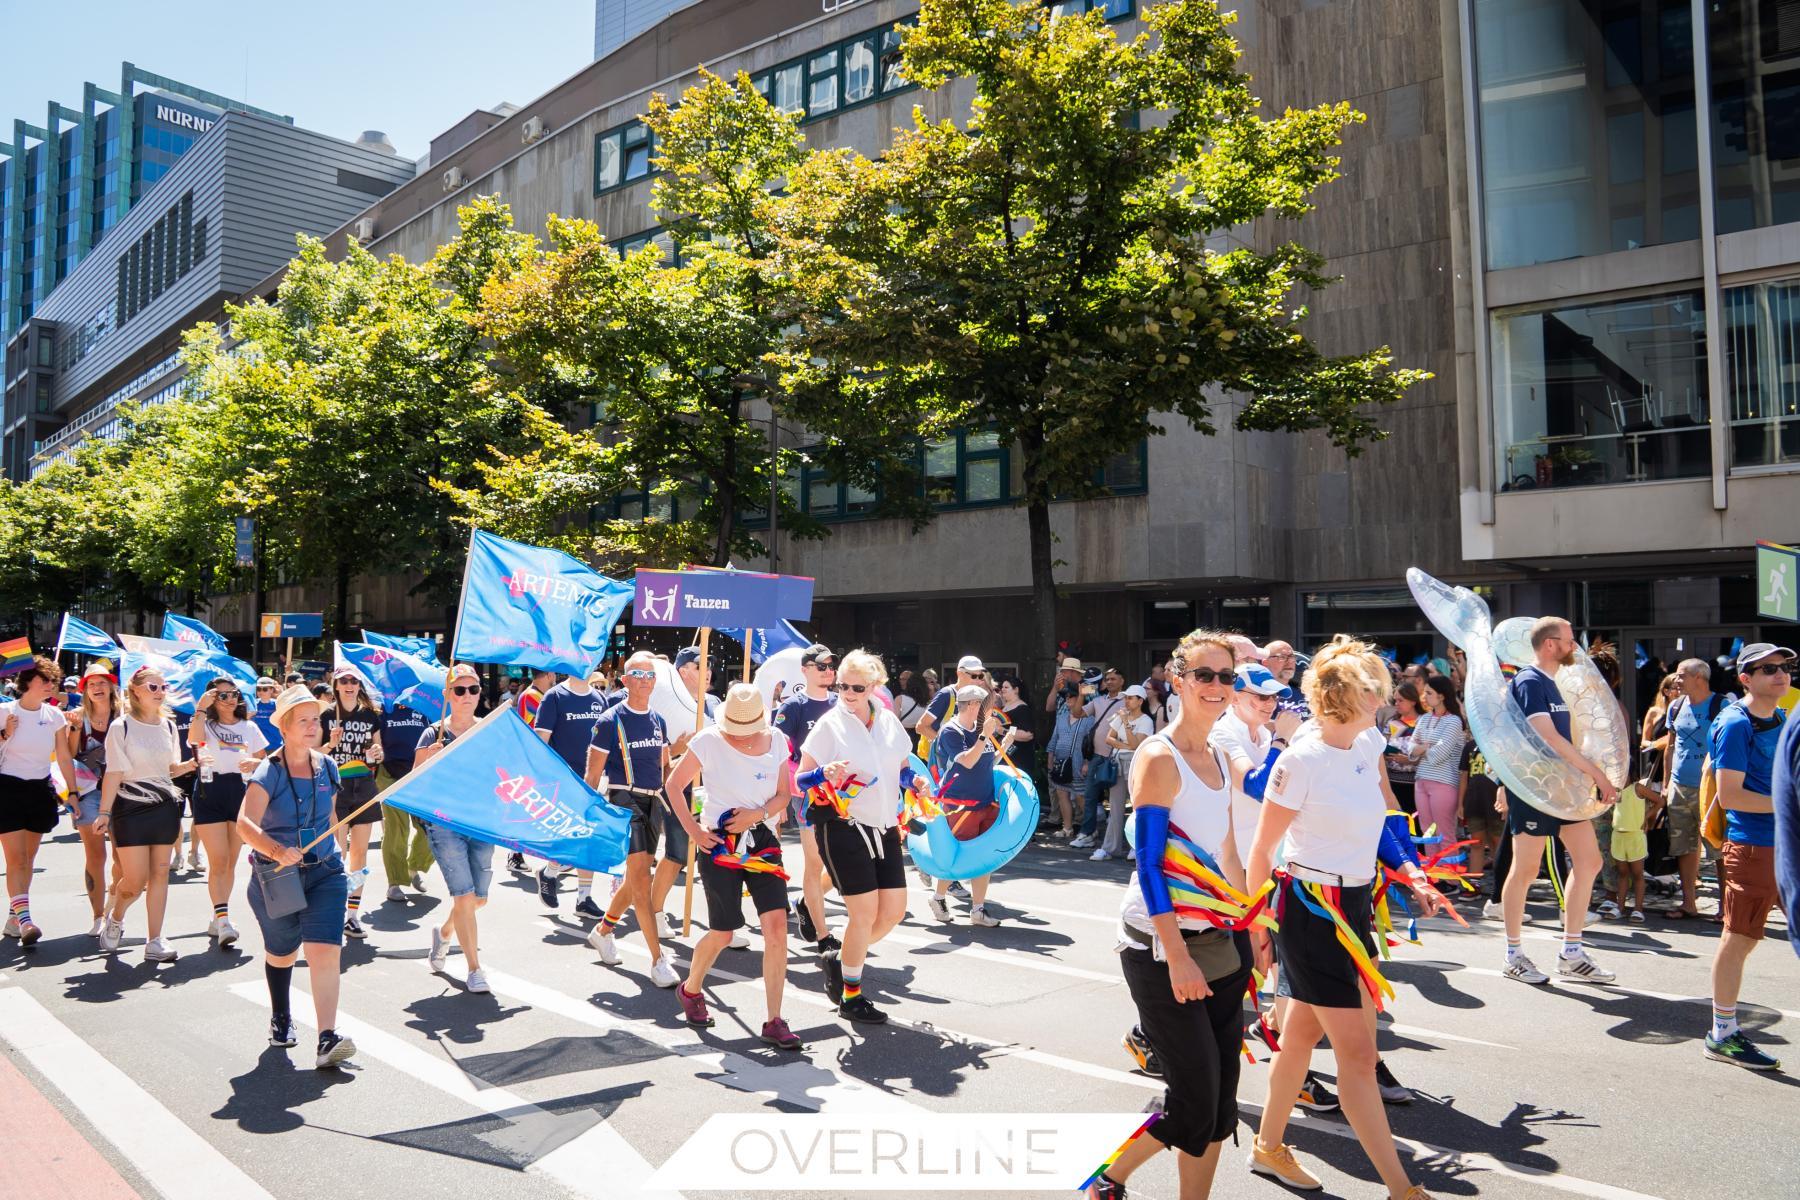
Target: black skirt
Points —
{"points": [[146, 824], [1314, 966]]}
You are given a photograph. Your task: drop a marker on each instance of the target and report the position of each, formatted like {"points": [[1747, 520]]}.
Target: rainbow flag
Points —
{"points": [[356, 768], [15, 655]]}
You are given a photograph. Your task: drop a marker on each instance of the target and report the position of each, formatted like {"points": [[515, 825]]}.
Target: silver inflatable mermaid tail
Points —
{"points": [[1519, 755]]}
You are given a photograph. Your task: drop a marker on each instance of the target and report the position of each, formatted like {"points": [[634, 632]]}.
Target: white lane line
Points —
{"points": [[794, 1079], [1454, 969], [1421, 1031], [1006, 957], [176, 1160], [599, 1163]]}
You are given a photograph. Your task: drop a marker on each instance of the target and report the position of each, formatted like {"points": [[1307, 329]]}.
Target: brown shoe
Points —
{"points": [[1281, 1164]]}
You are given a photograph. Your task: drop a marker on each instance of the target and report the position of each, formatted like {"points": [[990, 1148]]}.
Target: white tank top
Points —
{"points": [[1200, 811]]}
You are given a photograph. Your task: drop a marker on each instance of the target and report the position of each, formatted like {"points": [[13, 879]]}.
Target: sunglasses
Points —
{"points": [[858, 688], [640, 673], [824, 664], [1777, 668], [472, 689], [226, 692], [1208, 675], [154, 687]]}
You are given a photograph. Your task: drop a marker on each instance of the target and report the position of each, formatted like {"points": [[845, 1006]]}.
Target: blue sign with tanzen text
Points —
{"points": [[720, 599]]}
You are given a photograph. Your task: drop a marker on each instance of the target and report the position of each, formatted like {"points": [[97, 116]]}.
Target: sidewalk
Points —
{"points": [[47, 1158]]}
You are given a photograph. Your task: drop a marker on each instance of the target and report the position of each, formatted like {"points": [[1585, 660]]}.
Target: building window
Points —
{"points": [[859, 70], [622, 156], [1600, 393], [1753, 51], [822, 84], [1762, 373], [1587, 127]]}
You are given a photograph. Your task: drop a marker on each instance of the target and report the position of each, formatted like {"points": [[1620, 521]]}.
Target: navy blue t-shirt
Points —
{"points": [[400, 734], [797, 716], [960, 782], [939, 707], [1535, 692], [645, 736], [570, 717]]}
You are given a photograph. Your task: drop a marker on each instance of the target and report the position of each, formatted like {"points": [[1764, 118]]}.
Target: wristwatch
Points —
{"points": [[1280, 741]]}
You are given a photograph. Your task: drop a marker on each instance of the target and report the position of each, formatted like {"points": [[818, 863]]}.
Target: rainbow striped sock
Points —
{"points": [[1725, 1022], [21, 909], [220, 909], [852, 984], [607, 925], [355, 902]]}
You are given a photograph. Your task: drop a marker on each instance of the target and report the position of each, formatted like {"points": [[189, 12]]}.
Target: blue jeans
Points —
{"points": [[1092, 793], [468, 865], [320, 923]]}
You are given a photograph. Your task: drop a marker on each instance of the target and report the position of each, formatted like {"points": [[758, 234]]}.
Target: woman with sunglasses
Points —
{"points": [[352, 725], [853, 767], [228, 745], [1186, 978], [467, 863], [285, 819], [88, 726], [140, 807], [31, 743]]}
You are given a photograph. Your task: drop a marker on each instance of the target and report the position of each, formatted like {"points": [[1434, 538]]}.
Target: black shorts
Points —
{"points": [[1199, 1045], [27, 805], [1315, 968], [145, 824], [853, 866], [1522, 817], [218, 799], [352, 795], [724, 886], [646, 821]]}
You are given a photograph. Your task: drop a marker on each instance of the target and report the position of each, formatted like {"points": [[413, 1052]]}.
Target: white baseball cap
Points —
{"points": [[970, 664]]}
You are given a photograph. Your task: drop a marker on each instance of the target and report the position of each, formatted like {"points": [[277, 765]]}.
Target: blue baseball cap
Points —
{"points": [[686, 655], [1258, 679]]}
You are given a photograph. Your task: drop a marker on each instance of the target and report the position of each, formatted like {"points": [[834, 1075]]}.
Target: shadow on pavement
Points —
{"points": [[264, 1098]]}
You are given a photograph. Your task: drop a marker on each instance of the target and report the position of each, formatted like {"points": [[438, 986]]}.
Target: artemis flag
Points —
{"points": [[81, 638], [531, 606], [192, 632], [419, 647], [395, 677]]}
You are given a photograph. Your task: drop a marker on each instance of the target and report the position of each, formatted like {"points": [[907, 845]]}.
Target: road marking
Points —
{"points": [[1006, 957], [598, 1163], [1589, 988], [173, 1158]]}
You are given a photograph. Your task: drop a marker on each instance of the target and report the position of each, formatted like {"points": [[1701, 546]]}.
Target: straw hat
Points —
{"points": [[743, 713], [291, 701]]}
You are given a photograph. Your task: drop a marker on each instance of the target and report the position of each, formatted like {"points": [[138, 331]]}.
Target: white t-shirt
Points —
{"points": [[229, 745], [875, 753], [1337, 794], [139, 750], [1120, 725], [1233, 738], [28, 753], [733, 779]]}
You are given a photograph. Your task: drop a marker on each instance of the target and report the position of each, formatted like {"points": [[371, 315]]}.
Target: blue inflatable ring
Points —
{"points": [[940, 855]]}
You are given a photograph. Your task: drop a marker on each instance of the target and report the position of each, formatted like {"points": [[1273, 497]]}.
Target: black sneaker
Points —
{"points": [[1392, 1092], [585, 907], [547, 886], [1138, 1046], [834, 977], [809, 932], [515, 862], [1316, 1097], [333, 1049], [1104, 1188], [1740, 1051], [858, 1008], [281, 1031], [829, 944]]}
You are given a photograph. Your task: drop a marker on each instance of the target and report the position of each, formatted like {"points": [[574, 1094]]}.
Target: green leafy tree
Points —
{"points": [[1052, 268]]}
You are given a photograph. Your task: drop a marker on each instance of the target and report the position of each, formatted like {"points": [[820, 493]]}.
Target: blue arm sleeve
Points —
{"points": [[1152, 838], [1396, 847], [908, 777], [806, 781], [1256, 782]]}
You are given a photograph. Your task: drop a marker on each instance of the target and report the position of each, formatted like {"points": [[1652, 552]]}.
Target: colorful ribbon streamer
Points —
{"points": [[767, 860], [1322, 901], [1201, 893]]}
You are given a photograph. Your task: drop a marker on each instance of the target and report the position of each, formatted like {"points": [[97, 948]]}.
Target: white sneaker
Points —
{"points": [[1579, 966], [603, 942], [111, 932], [12, 928], [477, 981], [99, 929], [1081, 841], [940, 908], [157, 949], [667, 926], [663, 973], [740, 940], [1099, 855], [440, 950], [1525, 971], [1493, 911], [194, 861], [396, 893], [979, 916], [227, 932]]}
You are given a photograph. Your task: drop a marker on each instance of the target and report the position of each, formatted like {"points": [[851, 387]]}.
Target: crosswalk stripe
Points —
{"points": [[176, 1161], [599, 1163], [1588, 988]]}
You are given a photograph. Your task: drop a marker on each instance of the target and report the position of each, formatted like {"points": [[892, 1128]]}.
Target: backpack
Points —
{"points": [[1087, 737]]}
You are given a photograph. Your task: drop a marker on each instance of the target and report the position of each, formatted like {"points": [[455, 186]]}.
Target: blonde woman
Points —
{"points": [[228, 745], [88, 726], [857, 751], [467, 863], [1326, 797], [140, 807]]}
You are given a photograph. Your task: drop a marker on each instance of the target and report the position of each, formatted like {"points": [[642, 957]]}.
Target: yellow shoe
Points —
{"points": [[1415, 1192], [1281, 1164]]}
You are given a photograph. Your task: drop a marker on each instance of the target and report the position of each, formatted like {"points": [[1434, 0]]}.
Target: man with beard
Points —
{"points": [[1534, 690]]}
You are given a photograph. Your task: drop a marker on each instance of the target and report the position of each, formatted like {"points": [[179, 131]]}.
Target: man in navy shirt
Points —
{"points": [[796, 717], [565, 719], [405, 851], [1745, 742], [1534, 690], [627, 760]]}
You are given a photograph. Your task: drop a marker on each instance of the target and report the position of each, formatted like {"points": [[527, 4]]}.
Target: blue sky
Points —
{"points": [[408, 67]]}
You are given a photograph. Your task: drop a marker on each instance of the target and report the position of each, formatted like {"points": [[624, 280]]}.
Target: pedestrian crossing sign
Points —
{"points": [[1777, 581]]}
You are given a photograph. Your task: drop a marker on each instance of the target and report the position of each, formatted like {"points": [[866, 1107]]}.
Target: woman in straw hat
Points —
{"points": [[745, 765], [288, 807]]}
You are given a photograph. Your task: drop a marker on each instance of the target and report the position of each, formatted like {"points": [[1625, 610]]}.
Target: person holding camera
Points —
{"points": [[228, 744]]}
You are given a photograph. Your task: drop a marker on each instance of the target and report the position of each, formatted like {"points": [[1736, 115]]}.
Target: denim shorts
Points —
{"points": [[468, 865], [320, 923], [87, 809], [675, 838]]}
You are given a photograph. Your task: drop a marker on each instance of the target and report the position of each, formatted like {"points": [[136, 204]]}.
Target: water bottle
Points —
{"points": [[206, 770]]}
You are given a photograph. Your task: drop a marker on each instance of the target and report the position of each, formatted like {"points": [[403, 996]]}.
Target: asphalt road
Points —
{"points": [[575, 1079]]}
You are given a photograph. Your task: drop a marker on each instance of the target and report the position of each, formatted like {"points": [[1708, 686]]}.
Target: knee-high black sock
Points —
{"points": [[279, 980]]}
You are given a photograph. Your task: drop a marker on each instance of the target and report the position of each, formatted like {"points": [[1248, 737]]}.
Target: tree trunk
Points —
{"points": [[726, 494], [1040, 663]]}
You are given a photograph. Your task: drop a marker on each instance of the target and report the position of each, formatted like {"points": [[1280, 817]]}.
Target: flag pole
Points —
{"points": [[687, 891], [462, 597], [749, 636]]}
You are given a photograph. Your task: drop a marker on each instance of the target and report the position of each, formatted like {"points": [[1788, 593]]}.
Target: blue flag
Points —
{"points": [[187, 669], [530, 606], [419, 647], [194, 632], [764, 642], [395, 678], [81, 638], [500, 783]]}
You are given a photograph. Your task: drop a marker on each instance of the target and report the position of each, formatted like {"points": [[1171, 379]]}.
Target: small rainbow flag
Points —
{"points": [[356, 768], [15, 655]]}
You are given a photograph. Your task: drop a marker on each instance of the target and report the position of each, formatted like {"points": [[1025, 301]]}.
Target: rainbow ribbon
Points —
{"points": [[356, 768], [1114, 1156], [1322, 902], [767, 860], [1201, 893], [838, 798]]}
